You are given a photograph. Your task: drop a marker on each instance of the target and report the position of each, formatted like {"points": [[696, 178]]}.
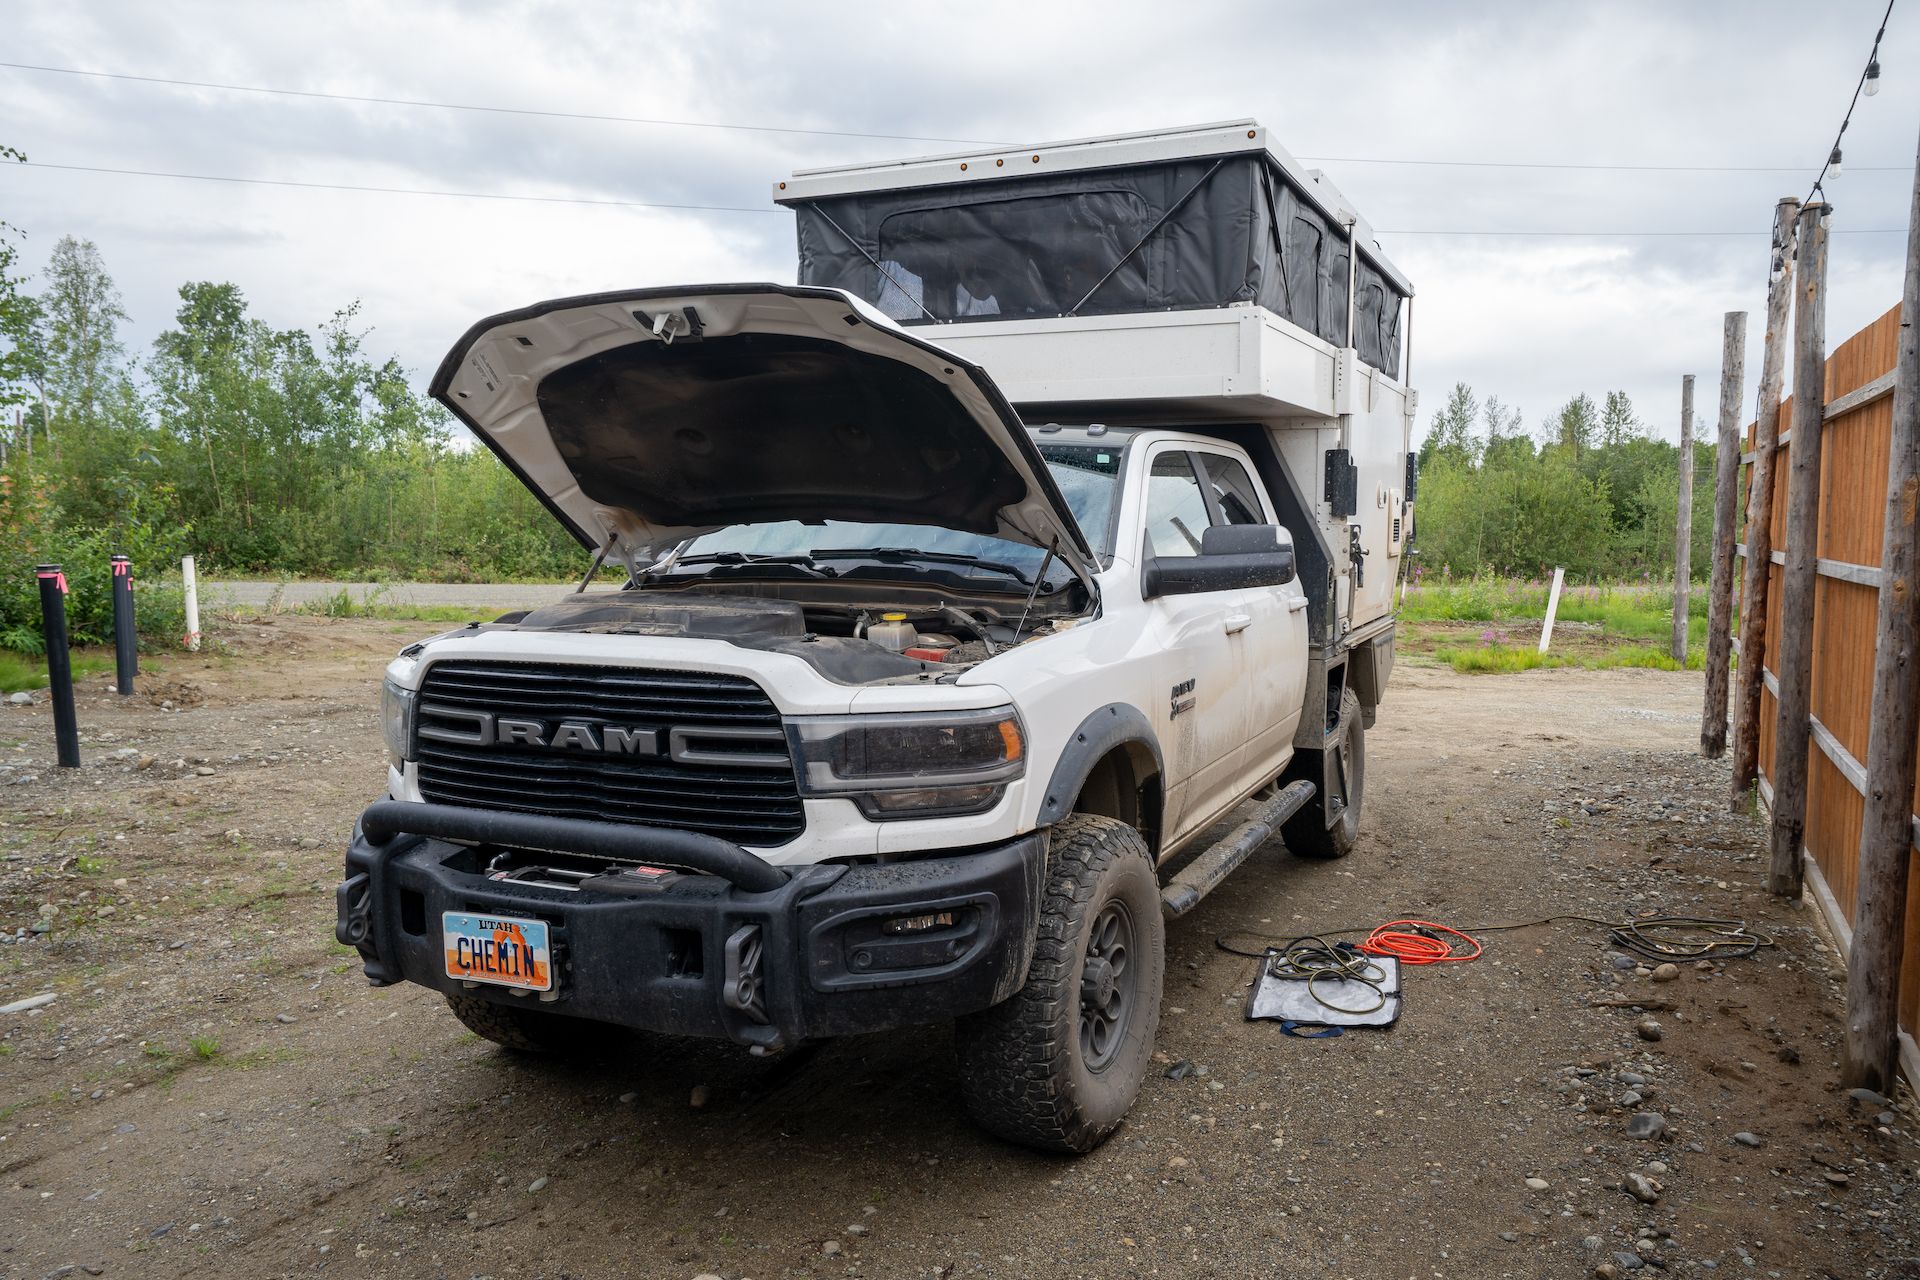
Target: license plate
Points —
{"points": [[504, 950]]}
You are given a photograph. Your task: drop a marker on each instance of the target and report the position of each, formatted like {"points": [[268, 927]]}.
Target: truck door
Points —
{"points": [[1202, 719], [1268, 626]]}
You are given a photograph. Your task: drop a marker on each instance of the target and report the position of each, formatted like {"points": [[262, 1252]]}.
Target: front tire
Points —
{"points": [[1058, 1065], [1307, 833]]}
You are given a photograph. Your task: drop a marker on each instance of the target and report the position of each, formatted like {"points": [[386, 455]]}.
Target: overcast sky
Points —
{"points": [[1533, 319]]}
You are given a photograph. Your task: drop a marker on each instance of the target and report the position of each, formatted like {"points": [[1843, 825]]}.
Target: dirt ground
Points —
{"points": [[216, 1089]]}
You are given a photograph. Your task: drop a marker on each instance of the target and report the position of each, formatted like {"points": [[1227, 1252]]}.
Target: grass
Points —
{"points": [[1596, 626], [266, 1056], [1506, 660], [205, 1048], [1496, 659], [19, 672], [426, 613], [342, 604]]}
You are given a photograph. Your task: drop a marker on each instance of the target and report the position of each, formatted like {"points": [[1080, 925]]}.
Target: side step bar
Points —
{"points": [[1203, 875]]}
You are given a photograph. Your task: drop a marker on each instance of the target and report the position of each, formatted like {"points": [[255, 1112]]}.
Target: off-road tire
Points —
{"points": [[1306, 833], [1023, 1069], [530, 1030]]}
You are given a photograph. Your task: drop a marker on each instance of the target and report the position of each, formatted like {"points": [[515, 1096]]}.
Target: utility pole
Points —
{"points": [[1886, 827], [1793, 730], [1683, 528], [1726, 487], [1753, 594]]}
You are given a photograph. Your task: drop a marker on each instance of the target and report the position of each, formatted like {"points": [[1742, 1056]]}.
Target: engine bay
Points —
{"points": [[909, 640]]}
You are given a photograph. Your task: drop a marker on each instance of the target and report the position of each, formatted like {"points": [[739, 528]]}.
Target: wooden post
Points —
{"points": [[1553, 607], [1792, 732], [1753, 593], [1726, 493], [1683, 528], [1886, 829], [189, 582]]}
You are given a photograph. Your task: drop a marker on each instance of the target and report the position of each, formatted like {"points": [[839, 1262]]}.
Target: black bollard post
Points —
{"points": [[53, 619], [126, 653]]}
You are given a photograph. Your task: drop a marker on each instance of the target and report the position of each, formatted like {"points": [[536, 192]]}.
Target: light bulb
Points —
{"points": [[1833, 164], [1873, 76]]}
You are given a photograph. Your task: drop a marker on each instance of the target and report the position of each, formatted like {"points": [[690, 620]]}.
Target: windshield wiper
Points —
{"points": [[747, 559], [897, 555], [742, 557]]}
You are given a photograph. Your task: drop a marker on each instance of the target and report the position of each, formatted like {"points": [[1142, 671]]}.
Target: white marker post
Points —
{"points": [[1553, 607], [192, 586]]}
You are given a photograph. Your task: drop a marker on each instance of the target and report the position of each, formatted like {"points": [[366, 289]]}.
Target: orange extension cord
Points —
{"points": [[1417, 942], [1654, 938]]}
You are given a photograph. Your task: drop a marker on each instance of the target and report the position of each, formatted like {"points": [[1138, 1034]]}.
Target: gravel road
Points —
{"points": [[215, 1089]]}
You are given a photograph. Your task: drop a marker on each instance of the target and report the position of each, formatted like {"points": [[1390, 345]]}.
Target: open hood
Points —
{"points": [[647, 417]]}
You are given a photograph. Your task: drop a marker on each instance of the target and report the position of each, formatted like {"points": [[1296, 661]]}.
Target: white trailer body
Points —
{"points": [[1324, 387]]}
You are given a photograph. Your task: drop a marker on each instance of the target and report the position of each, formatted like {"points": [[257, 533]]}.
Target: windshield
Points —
{"points": [[1088, 476]]}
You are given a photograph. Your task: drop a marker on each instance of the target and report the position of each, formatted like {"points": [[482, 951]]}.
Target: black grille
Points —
{"points": [[754, 804]]}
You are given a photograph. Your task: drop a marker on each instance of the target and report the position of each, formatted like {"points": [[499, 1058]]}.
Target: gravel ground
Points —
{"points": [[215, 1088]]}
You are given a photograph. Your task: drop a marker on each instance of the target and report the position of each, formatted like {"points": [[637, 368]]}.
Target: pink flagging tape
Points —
{"points": [[58, 576]]}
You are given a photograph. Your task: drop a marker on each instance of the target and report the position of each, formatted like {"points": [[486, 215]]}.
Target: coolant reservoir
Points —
{"points": [[894, 632]]}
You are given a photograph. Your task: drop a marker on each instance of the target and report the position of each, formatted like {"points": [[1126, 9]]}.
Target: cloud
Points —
{"points": [[1532, 320]]}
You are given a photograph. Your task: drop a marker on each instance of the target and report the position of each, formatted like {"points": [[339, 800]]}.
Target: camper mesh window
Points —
{"points": [[1207, 232], [1035, 256]]}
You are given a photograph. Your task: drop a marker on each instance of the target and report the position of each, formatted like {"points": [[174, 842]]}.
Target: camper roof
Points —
{"points": [[1120, 150]]}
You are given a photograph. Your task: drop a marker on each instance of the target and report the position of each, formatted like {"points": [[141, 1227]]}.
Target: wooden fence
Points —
{"points": [[1853, 504]]}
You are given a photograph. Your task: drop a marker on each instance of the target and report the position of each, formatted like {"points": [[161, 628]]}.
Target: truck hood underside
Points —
{"points": [[651, 416]]}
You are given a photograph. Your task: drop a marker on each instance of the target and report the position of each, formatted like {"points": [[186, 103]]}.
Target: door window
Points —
{"points": [[1176, 509], [1233, 490]]}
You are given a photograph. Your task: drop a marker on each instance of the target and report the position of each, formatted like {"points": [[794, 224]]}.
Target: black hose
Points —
{"points": [[1690, 937], [956, 614]]}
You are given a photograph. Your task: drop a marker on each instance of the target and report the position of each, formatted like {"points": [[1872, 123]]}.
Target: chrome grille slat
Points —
{"points": [[756, 804], [654, 789]]}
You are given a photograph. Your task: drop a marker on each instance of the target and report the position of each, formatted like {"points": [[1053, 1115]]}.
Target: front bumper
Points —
{"points": [[779, 960]]}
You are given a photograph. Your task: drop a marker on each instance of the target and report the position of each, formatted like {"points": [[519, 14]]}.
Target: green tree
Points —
{"points": [[1575, 426], [1500, 420], [1617, 421], [1507, 441], [21, 364], [298, 451], [1451, 434], [83, 314]]}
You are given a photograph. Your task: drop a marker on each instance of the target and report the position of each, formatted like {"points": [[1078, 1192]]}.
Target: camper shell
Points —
{"points": [[1198, 278]]}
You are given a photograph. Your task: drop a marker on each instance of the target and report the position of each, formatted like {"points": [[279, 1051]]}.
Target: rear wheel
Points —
{"points": [[531, 1030], [1058, 1065], [1328, 826]]}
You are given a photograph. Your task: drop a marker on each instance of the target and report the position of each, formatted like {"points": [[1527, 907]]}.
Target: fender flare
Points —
{"points": [[1113, 725]]}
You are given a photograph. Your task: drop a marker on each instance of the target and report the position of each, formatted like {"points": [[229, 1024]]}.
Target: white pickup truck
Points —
{"points": [[908, 710]]}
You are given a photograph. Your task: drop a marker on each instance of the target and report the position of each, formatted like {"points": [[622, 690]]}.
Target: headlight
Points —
{"points": [[396, 719], [918, 765]]}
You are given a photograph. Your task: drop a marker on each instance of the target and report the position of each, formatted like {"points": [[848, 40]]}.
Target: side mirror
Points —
{"points": [[1232, 557]]}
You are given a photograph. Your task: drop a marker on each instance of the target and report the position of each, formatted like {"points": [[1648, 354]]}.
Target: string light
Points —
{"points": [[1869, 84]]}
